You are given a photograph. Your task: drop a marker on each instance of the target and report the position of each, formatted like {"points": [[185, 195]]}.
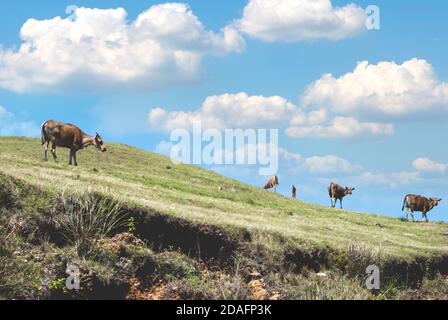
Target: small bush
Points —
{"points": [[87, 218]]}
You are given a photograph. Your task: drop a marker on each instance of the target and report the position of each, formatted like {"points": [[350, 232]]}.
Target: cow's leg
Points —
{"points": [[45, 146], [340, 201], [70, 162], [53, 152], [426, 217], [407, 214], [74, 158], [412, 215]]}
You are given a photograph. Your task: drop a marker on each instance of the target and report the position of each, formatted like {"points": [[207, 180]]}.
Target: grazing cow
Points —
{"points": [[272, 184], [294, 192], [337, 192], [67, 136], [413, 203]]}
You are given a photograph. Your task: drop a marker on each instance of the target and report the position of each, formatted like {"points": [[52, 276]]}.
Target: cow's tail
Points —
{"points": [[44, 136], [404, 203], [329, 189]]}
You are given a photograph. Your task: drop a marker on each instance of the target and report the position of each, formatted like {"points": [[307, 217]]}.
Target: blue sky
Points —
{"points": [[398, 102]]}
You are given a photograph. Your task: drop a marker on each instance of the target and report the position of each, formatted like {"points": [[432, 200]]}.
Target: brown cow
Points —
{"points": [[414, 202], [337, 192], [294, 192], [272, 184], [67, 136]]}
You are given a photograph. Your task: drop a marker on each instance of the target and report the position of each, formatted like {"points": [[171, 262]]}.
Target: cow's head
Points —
{"points": [[99, 143], [435, 201], [349, 190]]}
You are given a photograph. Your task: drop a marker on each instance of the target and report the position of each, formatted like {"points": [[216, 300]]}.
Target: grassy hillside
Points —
{"points": [[151, 182], [192, 193]]}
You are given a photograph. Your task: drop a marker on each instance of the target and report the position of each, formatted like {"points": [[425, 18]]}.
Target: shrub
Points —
{"points": [[87, 218]]}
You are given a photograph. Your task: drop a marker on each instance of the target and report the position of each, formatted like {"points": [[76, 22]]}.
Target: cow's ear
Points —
{"points": [[353, 189]]}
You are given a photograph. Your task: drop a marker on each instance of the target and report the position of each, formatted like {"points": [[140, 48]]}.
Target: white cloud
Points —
{"points": [[296, 163], [323, 124], [384, 91], [299, 20], [404, 178], [394, 180], [390, 180], [341, 127], [427, 165], [243, 111], [292, 157], [316, 164], [101, 50], [368, 101], [330, 164], [228, 111], [10, 125]]}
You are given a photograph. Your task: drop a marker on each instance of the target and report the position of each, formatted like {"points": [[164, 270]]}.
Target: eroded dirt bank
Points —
{"points": [[155, 256]]}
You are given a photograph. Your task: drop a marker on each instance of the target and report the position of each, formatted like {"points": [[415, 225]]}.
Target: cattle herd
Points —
{"points": [[412, 203], [70, 136]]}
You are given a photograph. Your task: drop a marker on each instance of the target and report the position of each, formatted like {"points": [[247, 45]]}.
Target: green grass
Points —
{"points": [[141, 178]]}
